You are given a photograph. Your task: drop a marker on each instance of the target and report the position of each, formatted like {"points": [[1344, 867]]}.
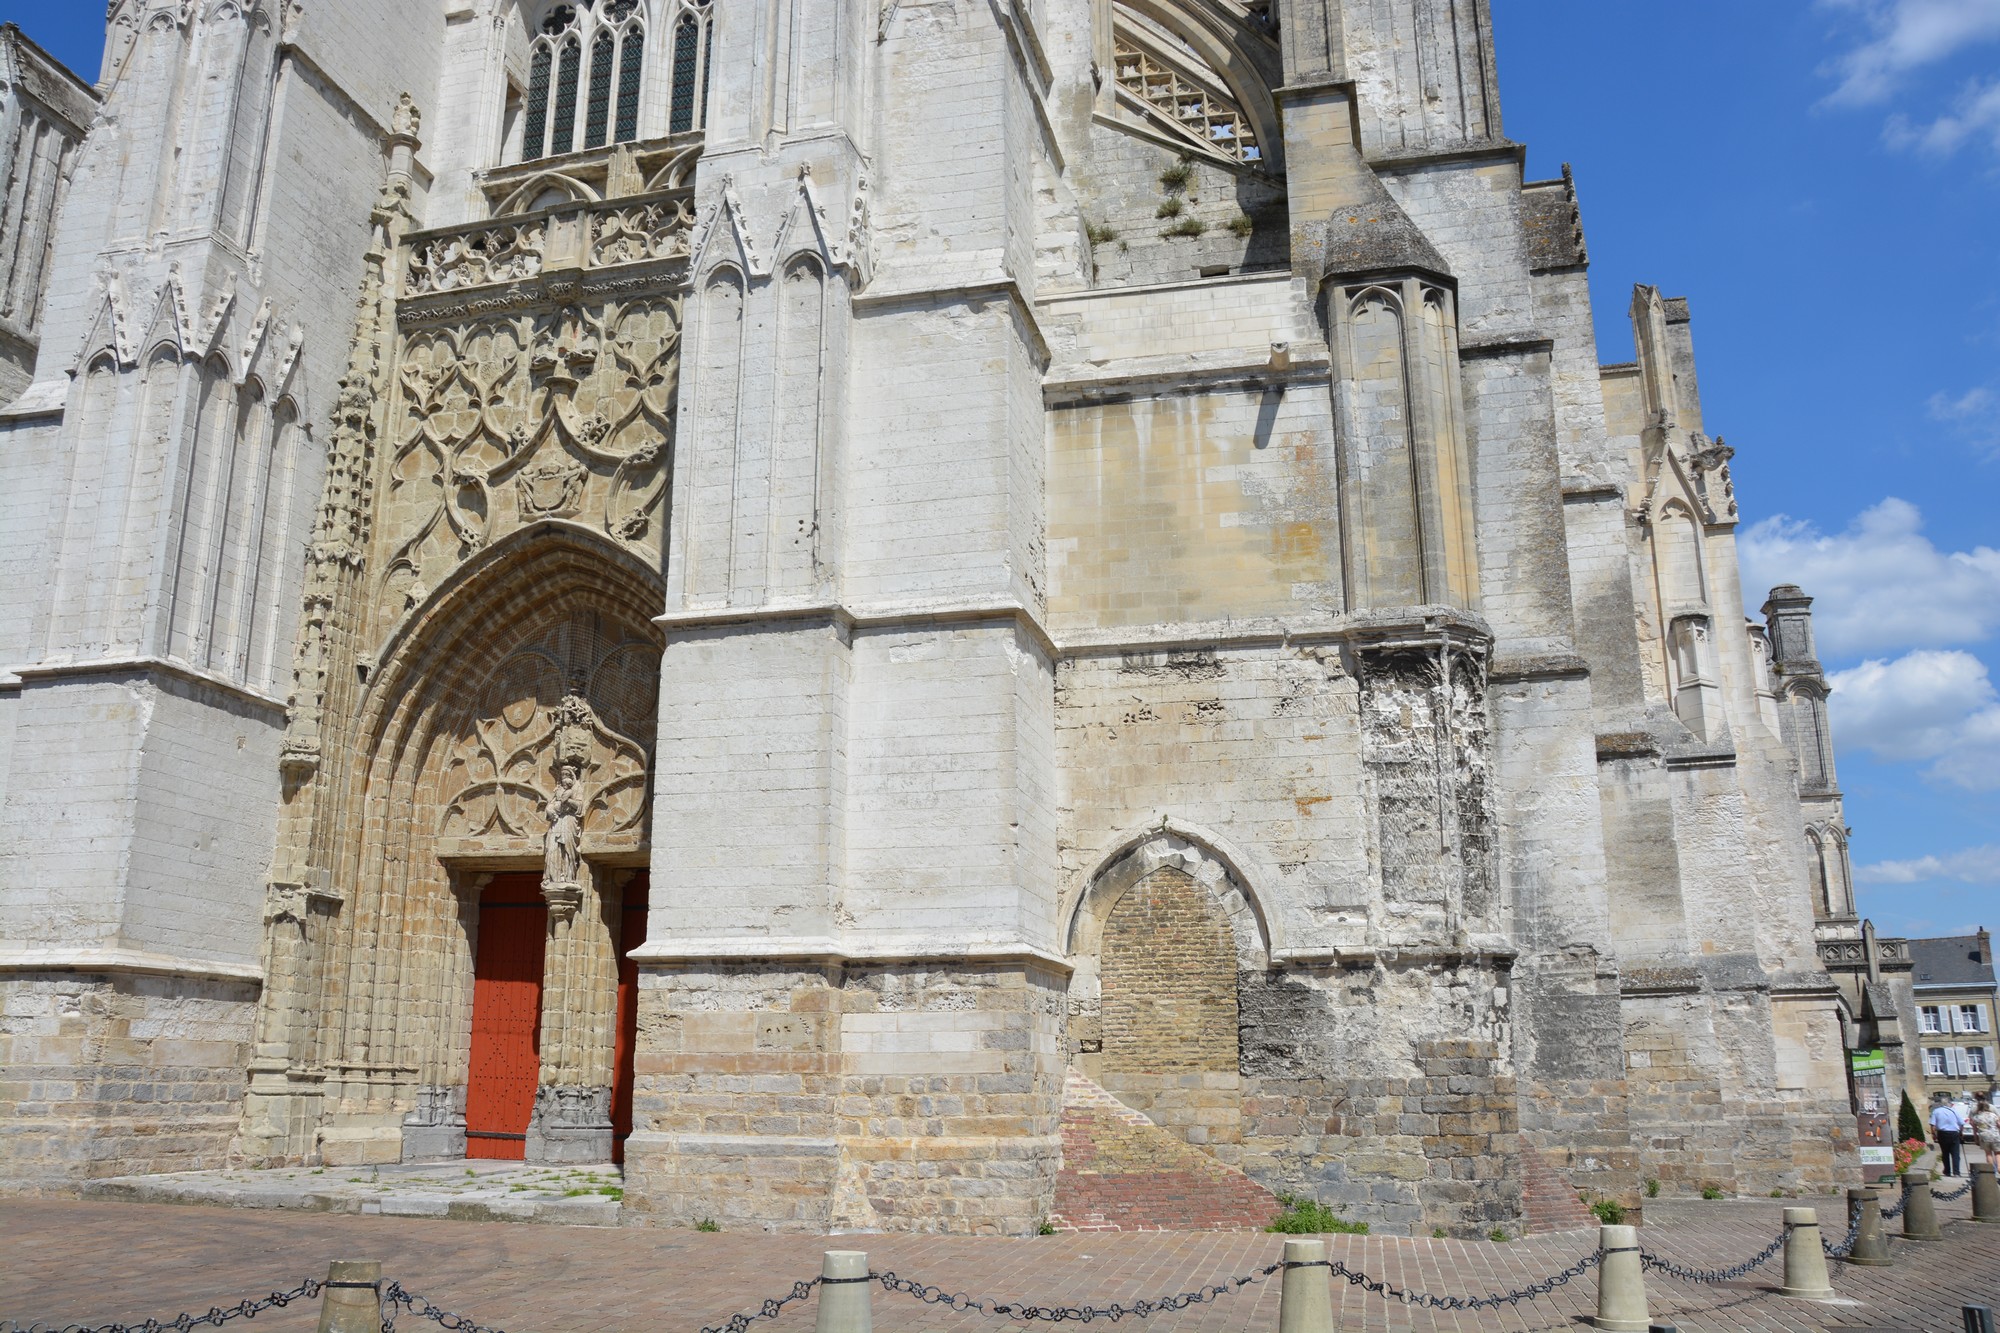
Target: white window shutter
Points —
{"points": [[1949, 1012]]}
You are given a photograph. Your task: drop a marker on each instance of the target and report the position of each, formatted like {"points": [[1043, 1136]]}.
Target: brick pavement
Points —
{"points": [[71, 1261]]}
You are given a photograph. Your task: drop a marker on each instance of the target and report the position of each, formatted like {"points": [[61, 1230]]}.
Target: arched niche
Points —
{"points": [[1158, 939]]}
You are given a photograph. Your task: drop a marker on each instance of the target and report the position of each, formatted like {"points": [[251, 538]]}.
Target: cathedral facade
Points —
{"points": [[739, 585]]}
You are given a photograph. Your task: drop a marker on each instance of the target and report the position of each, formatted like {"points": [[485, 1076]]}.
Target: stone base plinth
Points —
{"points": [[105, 1074], [886, 1097]]}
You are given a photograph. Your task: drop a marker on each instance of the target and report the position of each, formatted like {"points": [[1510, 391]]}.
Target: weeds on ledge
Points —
{"points": [[1309, 1217]]}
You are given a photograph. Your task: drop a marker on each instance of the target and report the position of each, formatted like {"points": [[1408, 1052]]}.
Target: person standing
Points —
{"points": [[1948, 1127], [1986, 1129]]}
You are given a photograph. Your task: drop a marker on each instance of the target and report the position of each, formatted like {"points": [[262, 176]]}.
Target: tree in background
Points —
{"points": [[1909, 1125]]}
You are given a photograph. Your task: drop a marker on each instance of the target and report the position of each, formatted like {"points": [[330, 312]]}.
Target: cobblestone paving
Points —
{"points": [[64, 1261]]}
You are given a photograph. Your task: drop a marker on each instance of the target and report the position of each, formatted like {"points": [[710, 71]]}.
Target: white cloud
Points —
{"points": [[1904, 36], [1879, 586], [1974, 865], [1972, 403], [1926, 706], [1976, 114]]}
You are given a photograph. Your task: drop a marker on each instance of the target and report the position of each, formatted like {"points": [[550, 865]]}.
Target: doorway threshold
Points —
{"points": [[465, 1191]]}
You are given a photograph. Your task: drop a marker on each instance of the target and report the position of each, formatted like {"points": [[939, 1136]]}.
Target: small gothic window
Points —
{"points": [[578, 102], [603, 52], [687, 43], [538, 104], [628, 85], [567, 63]]}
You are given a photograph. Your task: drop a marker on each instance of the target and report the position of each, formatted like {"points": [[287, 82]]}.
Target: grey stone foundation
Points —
{"points": [[571, 1125]]}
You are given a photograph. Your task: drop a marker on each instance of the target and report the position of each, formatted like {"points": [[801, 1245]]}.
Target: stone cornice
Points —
{"points": [[124, 666], [64, 958], [831, 951]]}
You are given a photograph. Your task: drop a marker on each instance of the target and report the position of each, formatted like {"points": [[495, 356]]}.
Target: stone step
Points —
{"points": [[1121, 1172], [1547, 1197]]}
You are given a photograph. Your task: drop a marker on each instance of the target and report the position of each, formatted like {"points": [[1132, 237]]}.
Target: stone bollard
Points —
{"points": [[1805, 1260], [1919, 1209], [1985, 1194], [1871, 1247], [843, 1293], [1621, 1282], [1305, 1298], [351, 1301]]}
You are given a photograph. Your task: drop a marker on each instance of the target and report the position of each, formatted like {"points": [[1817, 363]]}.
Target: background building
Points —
{"points": [[1952, 982], [752, 587]]}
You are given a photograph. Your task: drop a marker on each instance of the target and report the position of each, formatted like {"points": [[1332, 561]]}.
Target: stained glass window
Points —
{"points": [[687, 42], [567, 65], [538, 106], [603, 54], [628, 84]]}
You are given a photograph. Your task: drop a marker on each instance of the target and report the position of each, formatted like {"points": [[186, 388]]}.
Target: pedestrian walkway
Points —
{"points": [[71, 1262]]}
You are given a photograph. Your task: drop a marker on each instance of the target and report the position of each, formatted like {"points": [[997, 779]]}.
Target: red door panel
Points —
{"points": [[631, 934], [506, 1062]]}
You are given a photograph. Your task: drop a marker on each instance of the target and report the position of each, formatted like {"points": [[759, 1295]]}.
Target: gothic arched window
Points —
{"points": [[693, 41], [578, 100]]}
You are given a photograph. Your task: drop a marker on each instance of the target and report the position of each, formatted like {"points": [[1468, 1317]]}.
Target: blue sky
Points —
{"points": [[1821, 179]]}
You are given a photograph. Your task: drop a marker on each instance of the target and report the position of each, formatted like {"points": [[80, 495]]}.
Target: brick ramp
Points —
{"points": [[1547, 1197], [1121, 1172]]}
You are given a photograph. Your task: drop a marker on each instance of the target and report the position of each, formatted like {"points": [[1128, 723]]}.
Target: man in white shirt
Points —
{"points": [[1949, 1128]]}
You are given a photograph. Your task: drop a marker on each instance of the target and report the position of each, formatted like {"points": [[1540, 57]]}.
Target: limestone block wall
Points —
{"points": [[912, 1097], [107, 1073]]}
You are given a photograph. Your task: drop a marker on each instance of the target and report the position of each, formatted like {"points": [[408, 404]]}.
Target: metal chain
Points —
{"points": [[1533, 1291], [393, 1295], [221, 1314], [737, 1323], [1056, 1314], [1891, 1214], [1846, 1245], [1712, 1276], [1142, 1309], [1958, 1193]]}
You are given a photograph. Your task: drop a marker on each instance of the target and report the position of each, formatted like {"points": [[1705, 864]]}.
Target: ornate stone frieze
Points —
{"points": [[516, 419]]}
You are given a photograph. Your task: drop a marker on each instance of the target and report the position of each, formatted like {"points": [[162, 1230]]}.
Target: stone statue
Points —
{"points": [[562, 846]]}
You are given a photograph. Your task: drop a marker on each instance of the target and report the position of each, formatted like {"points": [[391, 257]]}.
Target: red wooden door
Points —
{"points": [[506, 1018], [631, 934]]}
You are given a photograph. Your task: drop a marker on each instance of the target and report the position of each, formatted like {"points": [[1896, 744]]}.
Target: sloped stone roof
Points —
{"points": [[1374, 233]]}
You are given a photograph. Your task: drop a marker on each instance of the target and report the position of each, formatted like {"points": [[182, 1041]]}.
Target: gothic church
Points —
{"points": [[745, 586]]}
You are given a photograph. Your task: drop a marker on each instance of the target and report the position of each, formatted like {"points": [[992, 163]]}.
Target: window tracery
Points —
{"points": [[588, 73], [1167, 85]]}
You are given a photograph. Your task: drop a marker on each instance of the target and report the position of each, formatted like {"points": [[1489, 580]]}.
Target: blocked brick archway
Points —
{"points": [[1160, 940], [1168, 974]]}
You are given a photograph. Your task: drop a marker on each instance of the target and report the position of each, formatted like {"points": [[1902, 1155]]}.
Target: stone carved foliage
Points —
{"points": [[514, 419], [503, 252], [650, 229], [567, 716]]}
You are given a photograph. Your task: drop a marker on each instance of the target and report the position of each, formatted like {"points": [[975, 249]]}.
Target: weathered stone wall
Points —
{"points": [[903, 1098], [117, 1073]]}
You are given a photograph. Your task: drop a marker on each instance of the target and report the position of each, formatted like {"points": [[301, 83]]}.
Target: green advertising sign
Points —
{"points": [[1867, 1062]]}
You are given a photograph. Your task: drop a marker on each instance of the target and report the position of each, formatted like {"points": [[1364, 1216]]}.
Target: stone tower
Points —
{"points": [[738, 586]]}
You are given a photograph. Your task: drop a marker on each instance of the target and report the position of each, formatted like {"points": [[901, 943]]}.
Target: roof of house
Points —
{"points": [[1953, 960]]}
